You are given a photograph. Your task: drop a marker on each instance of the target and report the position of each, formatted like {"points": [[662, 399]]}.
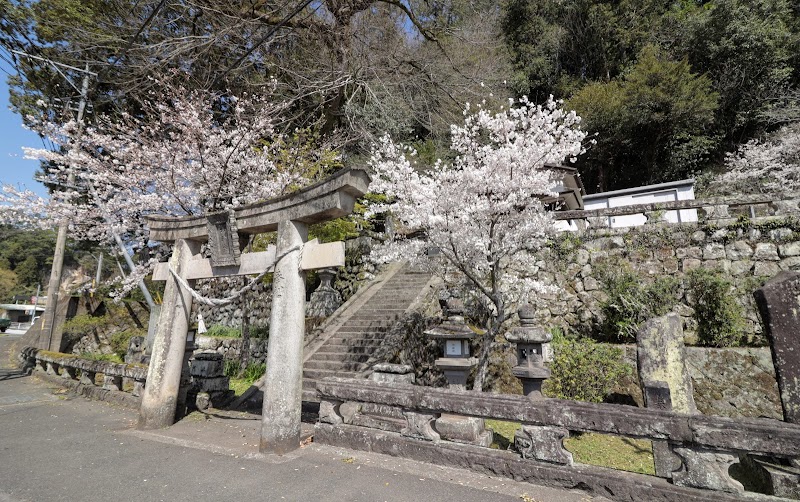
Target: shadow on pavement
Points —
{"points": [[10, 374]]}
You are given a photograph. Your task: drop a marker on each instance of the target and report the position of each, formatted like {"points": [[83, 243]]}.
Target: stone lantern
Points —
{"points": [[455, 334], [544, 443], [325, 300], [456, 365], [533, 349]]}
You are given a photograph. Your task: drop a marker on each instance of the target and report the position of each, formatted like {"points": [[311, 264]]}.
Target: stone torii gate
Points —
{"points": [[290, 215]]}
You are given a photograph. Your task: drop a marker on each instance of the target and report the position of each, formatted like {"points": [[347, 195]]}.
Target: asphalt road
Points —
{"points": [[59, 447]]}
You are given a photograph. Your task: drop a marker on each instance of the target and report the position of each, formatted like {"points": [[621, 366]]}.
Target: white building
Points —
{"points": [[662, 192]]}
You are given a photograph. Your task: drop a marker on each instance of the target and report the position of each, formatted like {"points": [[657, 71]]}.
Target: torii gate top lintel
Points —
{"points": [[330, 198]]}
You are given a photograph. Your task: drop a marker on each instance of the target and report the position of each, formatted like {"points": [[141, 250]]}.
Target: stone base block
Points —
{"points": [[383, 423], [464, 430], [703, 468], [206, 400], [207, 367], [780, 480], [544, 443], [216, 384], [608, 483]]}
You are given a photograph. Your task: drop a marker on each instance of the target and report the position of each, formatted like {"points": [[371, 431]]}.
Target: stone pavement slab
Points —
{"points": [[57, 447]]}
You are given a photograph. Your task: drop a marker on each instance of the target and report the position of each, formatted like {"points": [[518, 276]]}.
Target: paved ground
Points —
{"points": [[58, 447]]}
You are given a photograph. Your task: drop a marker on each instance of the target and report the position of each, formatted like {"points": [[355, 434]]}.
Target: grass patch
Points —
{"points": [[626, 454], [93, 356], [239, 385], [503, 433], [240, 381], [220, 331]]}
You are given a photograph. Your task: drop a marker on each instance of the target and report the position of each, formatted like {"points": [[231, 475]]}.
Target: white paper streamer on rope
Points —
{"points": [[221, 302]]}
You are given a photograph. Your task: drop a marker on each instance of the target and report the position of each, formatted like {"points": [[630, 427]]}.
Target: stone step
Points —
{"points": [[356, 357], [359, 333], [351, 349], [393, 314], [400, 287], [350, 338], [335, 366], [319, 374], [370, 324], [353, 342], [310, 395], [387, 318], [396, 292], [392, 301]]}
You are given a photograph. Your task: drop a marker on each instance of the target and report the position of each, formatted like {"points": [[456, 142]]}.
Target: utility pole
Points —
{"points": [[48, 324], [54, 286]]}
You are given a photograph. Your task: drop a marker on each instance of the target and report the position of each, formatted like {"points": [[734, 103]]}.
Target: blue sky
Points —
{"points": [[14, 169]]}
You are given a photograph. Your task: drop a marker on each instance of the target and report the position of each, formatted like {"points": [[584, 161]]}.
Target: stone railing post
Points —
{"points": [[69, 373], [52, 368], [779, 304], [112, 382], [716, 212], [655, 217], [597, 222], [88, 377], [138, 388]]}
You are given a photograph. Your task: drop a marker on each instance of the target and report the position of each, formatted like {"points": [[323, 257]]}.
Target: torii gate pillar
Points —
{"points": [[280, 426], [160, 397]]}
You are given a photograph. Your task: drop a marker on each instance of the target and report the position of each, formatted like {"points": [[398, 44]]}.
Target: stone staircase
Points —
{"points": [[357, 330]]}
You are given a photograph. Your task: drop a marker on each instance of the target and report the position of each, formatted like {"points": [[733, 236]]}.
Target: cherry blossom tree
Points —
{"points": [[188, 153], [769, 165], [483, 214]]}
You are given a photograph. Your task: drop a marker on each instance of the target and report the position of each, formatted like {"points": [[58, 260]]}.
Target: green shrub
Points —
{"points": [[120, 341], [720, 318], [83, 324], [251, 373], [631, 300], [220, 331], [231, 368], [584, 370], [254, 371], [259, 331]]}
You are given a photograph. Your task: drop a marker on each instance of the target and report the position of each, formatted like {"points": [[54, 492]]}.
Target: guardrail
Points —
{"points": [[122, 383], [719, 210], [706, 445]]}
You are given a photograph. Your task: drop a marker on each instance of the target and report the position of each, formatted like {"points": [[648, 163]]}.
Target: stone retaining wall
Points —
{"points": [[357, 270], [231, 348], [730, 382], [747, 253]]}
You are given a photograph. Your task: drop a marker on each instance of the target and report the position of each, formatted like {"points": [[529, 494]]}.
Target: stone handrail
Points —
{"points": [[720, 210], [66, 366], [700, 441]]}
